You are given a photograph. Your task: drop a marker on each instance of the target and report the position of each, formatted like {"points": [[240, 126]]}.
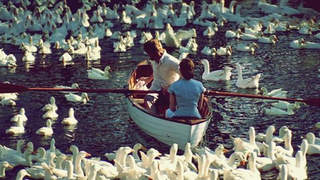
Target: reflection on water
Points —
{"points": [[104, 124]]}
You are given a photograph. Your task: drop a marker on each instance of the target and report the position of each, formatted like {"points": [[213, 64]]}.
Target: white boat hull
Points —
{"points": [[165, 130]]}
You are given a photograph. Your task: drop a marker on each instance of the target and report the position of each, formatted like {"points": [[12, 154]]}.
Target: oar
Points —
{"points": [[12, 88], [313, 102]]}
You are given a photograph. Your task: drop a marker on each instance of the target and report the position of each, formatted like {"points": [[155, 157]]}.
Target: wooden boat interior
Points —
{"points": [[144, 69]]}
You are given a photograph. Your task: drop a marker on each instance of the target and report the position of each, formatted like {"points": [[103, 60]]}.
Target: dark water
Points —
{"points": [[104, 124]]}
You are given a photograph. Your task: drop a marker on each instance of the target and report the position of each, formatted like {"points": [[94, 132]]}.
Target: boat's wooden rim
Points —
{"points": [[184, 120]]}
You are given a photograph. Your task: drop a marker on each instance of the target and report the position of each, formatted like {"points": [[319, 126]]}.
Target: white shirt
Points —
{"points": [[166, 72]]}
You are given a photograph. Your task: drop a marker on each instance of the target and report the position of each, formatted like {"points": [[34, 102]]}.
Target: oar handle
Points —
{"points": [[12, 88], [219, 93], [124, 91]]}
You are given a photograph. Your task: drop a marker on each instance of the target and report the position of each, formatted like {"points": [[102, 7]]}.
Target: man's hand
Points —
{"points": [[165, 90]]}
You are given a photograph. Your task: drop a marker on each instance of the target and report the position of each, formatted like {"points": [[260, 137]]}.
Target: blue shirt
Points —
{"points": [[187, 94]]}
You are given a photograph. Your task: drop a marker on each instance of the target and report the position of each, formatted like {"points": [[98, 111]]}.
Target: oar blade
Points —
{"points": [[11, 88], [312, 102]]}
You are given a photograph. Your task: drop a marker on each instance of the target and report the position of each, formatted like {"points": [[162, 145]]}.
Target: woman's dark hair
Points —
{"points": [[187, 68]]}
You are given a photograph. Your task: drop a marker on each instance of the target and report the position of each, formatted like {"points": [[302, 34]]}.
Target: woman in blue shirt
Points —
{"points": [[186, 94]]}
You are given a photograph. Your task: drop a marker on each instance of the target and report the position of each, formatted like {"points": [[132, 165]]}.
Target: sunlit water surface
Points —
{"points": [[104, 124]]}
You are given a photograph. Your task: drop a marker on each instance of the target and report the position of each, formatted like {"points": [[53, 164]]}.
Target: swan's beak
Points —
{"points": [[225, 150]]}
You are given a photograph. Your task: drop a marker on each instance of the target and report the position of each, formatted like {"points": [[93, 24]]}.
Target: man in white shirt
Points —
{"points": [[165, 71]]}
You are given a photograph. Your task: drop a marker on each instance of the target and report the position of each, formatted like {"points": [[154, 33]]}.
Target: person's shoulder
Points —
{"points": [[171, 58], [196, 81]]}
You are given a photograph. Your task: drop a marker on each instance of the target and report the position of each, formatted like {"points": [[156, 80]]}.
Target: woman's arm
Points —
{"points": [[200, 101], [173, 102]]}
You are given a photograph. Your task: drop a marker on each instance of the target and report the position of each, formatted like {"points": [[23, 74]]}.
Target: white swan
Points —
{"points": [[269, 137], [298, 44], [296, 170], [233, 34], [51, 106], [285, 104], [287, 149], [51, 113], [252, 82], [268, 40], [218, 75], [18, 129], [76, 98], [312, 148], [7, 102], [28, 57], [269, 30], [274, 93], [209, 51], [71, 120], [73, 86], [245, 48], [46, 131], [95, 73], [21, 174], [312, 45], [224, 51], [21, 115], [65, 58], [280, 112], [246, 36], [3, 166], [209, 32]]}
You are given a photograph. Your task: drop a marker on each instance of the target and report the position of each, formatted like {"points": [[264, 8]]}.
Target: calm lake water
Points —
{"points": [[104, 123]]}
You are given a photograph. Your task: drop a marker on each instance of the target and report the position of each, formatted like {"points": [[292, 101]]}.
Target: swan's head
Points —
{"points": [[107, 69], [85, 96], [75, 86], [238, 66], [5, 164], [204, 61], [263, 90], [258, 76], [254, 45]]}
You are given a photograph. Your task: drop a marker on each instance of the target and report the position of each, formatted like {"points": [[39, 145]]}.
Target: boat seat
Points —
{"points": [[139, 100]]}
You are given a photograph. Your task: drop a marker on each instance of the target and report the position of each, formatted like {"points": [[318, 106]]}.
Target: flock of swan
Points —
{"points": [[260, 152], [34, 32]]}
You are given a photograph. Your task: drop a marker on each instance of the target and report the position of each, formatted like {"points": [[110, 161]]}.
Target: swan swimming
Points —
{"points": [[218, 75], [252, 82]]}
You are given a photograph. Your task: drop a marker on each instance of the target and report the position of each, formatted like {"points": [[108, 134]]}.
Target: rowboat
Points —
{"points": [[168, 131]]}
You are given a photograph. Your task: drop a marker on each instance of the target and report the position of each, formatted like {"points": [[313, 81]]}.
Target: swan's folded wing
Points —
{"points": [[184, 34]]}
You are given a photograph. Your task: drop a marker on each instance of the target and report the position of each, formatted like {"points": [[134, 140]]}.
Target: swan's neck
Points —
{"points": [[239, 69], [78, 170], [18, 149], [269, 137], [2, 171], [135, 154], [70, 169], [27, 158], [287, 144], [232, 160], [252, 138], [92, 174], [206, 69], [20, 122], [20, 176]]}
